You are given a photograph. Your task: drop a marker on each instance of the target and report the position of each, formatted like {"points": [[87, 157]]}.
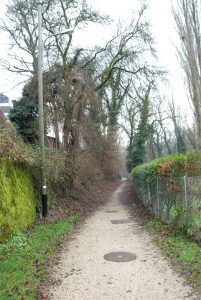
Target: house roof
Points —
{"points": [[4, 99]]}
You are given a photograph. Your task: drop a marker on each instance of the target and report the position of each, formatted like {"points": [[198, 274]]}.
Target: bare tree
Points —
{"points": [[191, 137], [187, 18], [21, 23], [179, 132], [164, 132], [130, 119]]}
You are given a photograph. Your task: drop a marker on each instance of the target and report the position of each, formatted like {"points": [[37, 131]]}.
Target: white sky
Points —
{"points": [[163, 30]]}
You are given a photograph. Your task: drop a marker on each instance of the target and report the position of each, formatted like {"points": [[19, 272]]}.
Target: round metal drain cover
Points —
{"points": [[111, 211], [120, 256]]}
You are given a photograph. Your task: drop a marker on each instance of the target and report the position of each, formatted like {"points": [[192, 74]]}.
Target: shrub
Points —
{"points": [[89, 172], [13, 149], [176, 165]]}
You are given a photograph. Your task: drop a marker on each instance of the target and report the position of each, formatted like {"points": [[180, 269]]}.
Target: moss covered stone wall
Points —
{"points": [[17, 199]]}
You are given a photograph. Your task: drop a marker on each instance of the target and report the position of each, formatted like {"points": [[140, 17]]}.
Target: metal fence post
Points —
{"points": [[185, 192], [158, 198], [148, 192]]}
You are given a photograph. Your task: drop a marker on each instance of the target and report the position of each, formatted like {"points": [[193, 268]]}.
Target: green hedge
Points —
{"points": [[17, 199], [173, 166]]}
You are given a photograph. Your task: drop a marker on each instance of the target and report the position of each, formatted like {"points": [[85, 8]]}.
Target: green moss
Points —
{"points": [[17, 199]]}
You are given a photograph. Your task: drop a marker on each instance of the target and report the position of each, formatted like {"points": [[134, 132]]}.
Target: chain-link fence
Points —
{"points": [[173, 200]]}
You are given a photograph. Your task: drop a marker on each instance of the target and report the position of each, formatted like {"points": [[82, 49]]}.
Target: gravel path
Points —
{"points": [[83, 273]]}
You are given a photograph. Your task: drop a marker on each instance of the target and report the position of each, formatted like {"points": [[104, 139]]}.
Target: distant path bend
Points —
{"points": [[83, 273]]}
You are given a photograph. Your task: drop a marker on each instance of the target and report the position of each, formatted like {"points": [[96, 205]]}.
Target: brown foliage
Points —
{"points": [[73, 109], [110, 163], [89, 172], [164, 168], [14, 149], [173, 186]]}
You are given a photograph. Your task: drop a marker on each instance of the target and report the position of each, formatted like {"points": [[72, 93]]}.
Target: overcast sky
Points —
{"points": [[163, 30]]}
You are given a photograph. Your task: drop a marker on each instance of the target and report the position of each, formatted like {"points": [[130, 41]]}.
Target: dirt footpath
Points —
{"points": [[84, 273]]}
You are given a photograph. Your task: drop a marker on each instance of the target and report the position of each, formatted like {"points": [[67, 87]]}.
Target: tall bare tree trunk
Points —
{"points": [[187, 18]]}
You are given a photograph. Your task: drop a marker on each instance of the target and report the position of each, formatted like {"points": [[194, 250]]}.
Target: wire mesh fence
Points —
{"points": [[173, 200]]}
